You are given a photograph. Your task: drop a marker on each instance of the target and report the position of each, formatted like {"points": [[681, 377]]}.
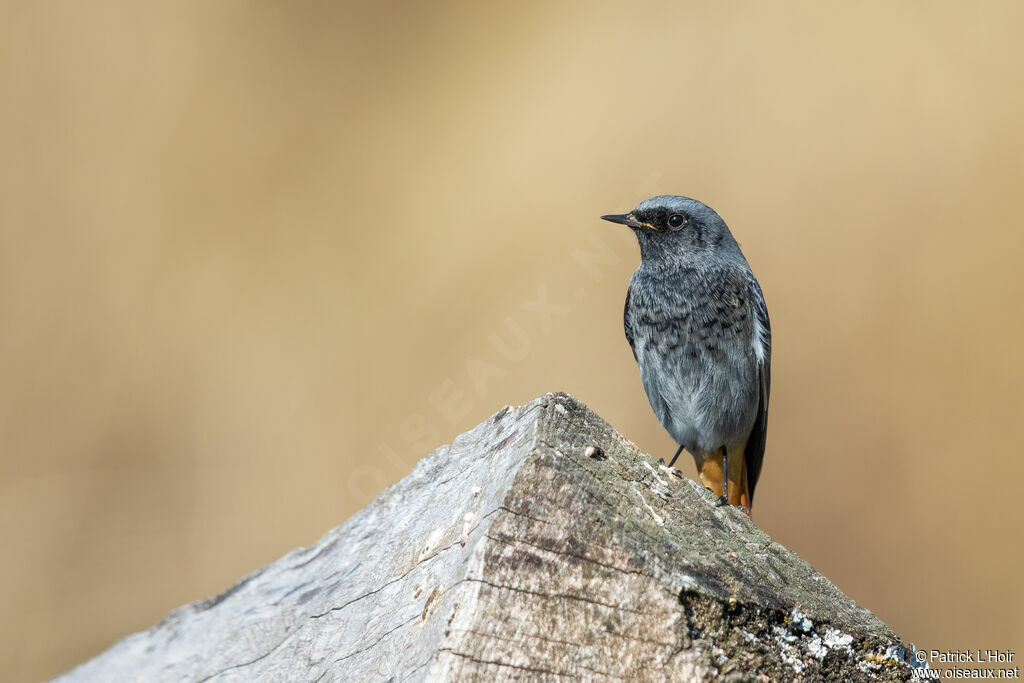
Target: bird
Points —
{"points": [[696, 320]]}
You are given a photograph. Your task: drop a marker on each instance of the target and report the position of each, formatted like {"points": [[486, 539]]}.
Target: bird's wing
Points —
{"points": [[753, 455], [630, 334]]}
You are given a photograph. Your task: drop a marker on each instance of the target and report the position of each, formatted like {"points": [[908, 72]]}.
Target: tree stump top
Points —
{"points": [[540, 544]]}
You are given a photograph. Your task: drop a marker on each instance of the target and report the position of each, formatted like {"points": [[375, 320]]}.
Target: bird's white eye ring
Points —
{"points": [[676, 221]]}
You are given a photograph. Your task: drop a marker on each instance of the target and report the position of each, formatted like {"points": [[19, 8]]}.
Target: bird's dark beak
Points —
{"points": [[625, 219]]}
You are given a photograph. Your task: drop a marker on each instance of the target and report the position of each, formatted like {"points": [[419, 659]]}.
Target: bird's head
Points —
{"points": [[670, 224]]}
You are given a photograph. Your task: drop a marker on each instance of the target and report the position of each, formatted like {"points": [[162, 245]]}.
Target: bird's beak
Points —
{"points": [[627, 219]]}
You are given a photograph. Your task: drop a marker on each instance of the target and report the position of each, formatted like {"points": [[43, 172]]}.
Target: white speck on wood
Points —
{"points": [[468, 521], [658, 519]]}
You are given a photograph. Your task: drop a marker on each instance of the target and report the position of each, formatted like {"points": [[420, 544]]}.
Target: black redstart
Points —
{"points": [[697, 323]]}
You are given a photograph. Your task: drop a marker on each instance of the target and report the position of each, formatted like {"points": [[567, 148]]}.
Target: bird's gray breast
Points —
{"points": [[694, 336]]}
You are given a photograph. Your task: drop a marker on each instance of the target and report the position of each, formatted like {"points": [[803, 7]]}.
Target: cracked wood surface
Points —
{"points": [[516, 552]]}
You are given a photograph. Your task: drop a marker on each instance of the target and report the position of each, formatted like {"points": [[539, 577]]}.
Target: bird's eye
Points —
{"points": [[676, 221]]}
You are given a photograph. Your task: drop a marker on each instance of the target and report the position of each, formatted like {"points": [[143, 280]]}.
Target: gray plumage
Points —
{"points": [[696, 320]]}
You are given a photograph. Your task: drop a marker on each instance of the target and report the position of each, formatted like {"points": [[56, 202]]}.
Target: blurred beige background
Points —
{"points": [[256, 259]]}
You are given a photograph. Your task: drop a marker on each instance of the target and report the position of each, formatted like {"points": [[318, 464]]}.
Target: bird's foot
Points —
{"points": [[721, 501]]}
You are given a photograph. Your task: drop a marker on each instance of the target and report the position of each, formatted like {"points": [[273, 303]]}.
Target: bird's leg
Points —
{"points": [[735, 491], [674, 457], [724, 500]]}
